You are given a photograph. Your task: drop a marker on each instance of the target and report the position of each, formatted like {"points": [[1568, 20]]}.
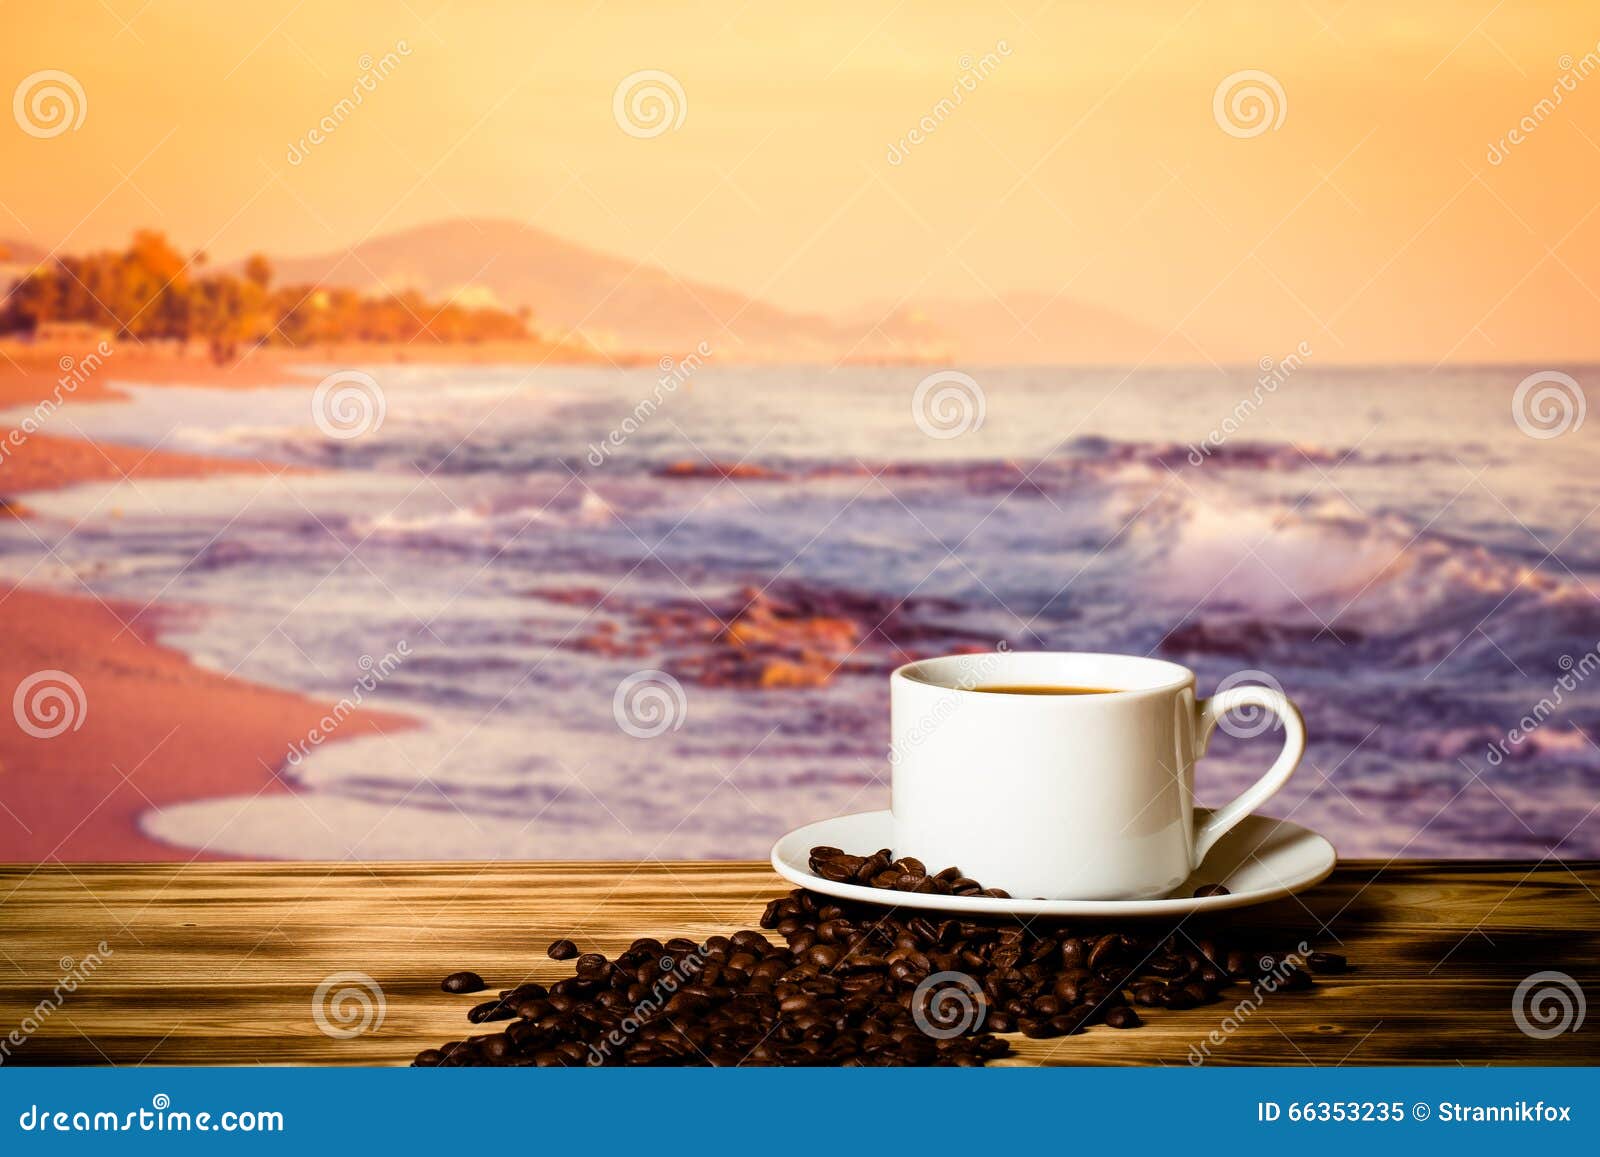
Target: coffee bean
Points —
{"points": [[840, 986], [1330, 962], [1205, 890], [824, 955], [1101, 951], [463, 982], [490, 1010], [872, 866], [1122, 1017], [832, 870], [1297, 979], [1006, 956], [1167, 966]]}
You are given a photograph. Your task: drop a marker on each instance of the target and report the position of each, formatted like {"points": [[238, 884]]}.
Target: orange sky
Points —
{"points": [[1370, 223]]}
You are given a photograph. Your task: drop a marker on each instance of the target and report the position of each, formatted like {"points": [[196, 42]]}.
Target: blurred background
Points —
{"points": [[519, 431]]}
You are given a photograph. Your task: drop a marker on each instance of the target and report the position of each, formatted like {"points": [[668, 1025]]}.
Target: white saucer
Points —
{"points": [[1262, 859]]}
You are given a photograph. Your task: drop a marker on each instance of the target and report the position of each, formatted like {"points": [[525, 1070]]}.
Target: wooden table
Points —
{"points": [[219, 963]]}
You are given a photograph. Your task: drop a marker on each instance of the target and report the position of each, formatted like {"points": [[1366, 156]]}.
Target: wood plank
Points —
{"points": [[218, 963]]}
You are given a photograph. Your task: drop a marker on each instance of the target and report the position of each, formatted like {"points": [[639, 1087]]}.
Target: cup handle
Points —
{"points": [[1211, 713]]}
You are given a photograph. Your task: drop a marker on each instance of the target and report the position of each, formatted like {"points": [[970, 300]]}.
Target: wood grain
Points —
{"points": [[219, 963]]}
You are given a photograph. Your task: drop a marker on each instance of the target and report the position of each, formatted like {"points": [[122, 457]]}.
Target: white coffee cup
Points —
{"points": [[1065, 797]]}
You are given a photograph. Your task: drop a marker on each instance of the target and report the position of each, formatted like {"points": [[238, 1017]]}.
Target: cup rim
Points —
{"points": [[1181, 676]]}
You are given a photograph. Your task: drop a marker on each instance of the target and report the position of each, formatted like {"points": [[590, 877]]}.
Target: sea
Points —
{"points": [[650, 612]]}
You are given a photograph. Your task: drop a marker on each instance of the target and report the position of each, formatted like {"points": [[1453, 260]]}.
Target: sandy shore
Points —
{"points": [[53, 457], [153, 729]]}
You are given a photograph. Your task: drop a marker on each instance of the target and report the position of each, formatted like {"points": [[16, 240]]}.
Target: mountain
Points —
{"points": [[616, 304], [609, 301]]}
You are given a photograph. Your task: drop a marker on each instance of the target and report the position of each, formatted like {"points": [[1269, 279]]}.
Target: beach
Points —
{"points": [[154, 728], [519, 551]]}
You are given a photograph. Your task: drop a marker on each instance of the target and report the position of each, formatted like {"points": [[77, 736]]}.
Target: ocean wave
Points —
{"points": [[491, 518], [1243, 454]]}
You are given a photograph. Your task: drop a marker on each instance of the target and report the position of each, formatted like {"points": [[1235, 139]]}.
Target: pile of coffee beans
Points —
{"points": [[860, 984], [906, 874], [909, 874]]}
